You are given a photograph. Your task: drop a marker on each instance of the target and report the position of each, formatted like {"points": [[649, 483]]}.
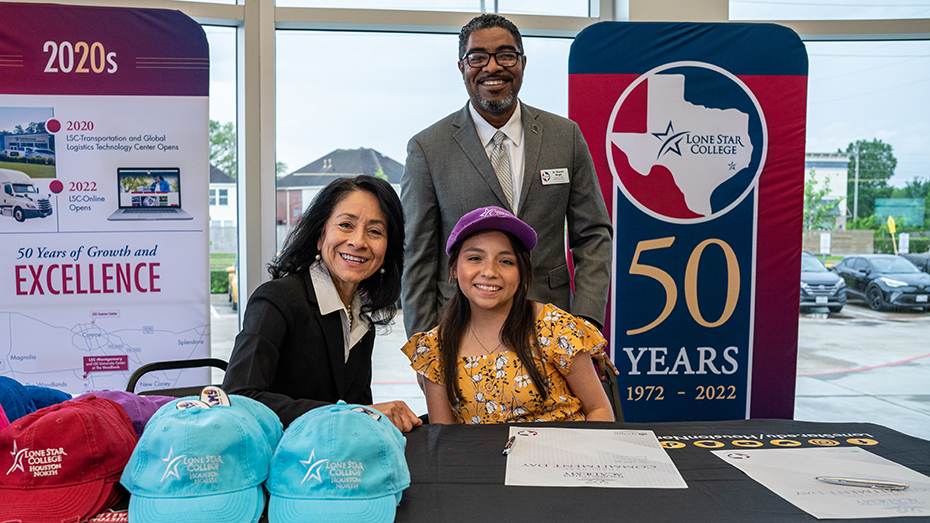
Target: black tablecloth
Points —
{"points": [[457, 474]]}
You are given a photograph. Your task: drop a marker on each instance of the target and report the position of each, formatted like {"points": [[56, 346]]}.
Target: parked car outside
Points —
{"points": [[921, 260], [885, 280], [233, 286], [820, 287], [40, 153]]}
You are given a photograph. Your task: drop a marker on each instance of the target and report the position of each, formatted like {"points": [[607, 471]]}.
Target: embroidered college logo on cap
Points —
{"points": [[64, 461], [313, 468], [493, 211], [171, 469], [198, 465], [491, 218], [17, 458], [45, 462], [356, 469]]}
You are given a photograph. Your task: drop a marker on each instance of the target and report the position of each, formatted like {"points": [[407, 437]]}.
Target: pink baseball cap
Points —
{"points": [[62, 462], [491, 218]]}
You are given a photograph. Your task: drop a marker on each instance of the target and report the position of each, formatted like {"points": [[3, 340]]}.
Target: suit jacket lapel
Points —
{"points": [[331, 326], [532, 140], [467, 137]]}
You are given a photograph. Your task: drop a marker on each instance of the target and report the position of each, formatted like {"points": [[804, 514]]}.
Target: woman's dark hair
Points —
{"points": [[518, 331], [380, 291]]}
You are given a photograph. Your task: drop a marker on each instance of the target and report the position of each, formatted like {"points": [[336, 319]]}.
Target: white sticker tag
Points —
{"points": [[553, 176], [191, 404], [368, 411], [214, 396]]}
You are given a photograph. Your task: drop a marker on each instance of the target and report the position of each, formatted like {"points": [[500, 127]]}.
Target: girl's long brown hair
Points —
{"points": [[518, 332]]}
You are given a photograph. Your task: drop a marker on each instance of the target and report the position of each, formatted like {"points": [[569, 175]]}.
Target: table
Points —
{"points": [[457, 474]]}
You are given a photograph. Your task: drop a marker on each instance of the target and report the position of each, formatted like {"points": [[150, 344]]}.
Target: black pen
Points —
{"points": [[509, 446]]}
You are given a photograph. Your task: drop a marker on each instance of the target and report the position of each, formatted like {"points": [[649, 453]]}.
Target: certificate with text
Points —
{"points": [[556, 457], [792, 473]]}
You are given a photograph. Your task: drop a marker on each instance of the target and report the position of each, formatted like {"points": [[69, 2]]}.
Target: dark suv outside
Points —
{"points": [[885, 280], [820, 287]]}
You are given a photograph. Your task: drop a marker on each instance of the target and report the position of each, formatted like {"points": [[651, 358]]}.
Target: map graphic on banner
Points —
{"points": [[698, 141], [103, 195], [694, 138]]}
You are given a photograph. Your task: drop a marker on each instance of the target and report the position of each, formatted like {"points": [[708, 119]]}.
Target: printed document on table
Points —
{"points": [[554, 457], [790, 473]]}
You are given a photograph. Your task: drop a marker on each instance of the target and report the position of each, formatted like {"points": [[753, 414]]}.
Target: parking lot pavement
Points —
{"points": [[865, 366], [224, 325]]}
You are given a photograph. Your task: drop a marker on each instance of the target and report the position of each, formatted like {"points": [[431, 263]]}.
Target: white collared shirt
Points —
{"points": [[514, 144], [328, 299]]}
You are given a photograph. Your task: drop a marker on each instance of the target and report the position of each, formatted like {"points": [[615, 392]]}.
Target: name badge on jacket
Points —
{"points": [[553, 176]]}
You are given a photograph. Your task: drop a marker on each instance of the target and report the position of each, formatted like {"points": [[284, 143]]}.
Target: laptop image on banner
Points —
{"points": [[149, 194]]}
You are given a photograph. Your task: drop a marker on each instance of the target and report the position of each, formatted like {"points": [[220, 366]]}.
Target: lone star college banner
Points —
{"points": [[697, 134]]}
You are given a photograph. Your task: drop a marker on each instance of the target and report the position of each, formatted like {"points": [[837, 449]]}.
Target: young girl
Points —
{"points": [[496, 356]]}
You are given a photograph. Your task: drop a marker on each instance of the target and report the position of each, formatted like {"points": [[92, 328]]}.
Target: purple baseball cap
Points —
{"points": [[138, 408], [491, 218]]}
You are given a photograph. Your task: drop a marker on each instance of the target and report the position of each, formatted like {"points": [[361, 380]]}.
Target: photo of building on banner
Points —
{"points": [[701, 150], [103, 196]]}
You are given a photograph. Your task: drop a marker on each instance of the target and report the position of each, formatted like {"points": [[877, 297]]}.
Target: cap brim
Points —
{"points": [[54, 505], [301, 510], [218, 508], [112, 493]]}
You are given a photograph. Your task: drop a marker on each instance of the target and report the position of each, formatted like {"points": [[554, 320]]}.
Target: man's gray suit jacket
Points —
{"points": [[448, 174]]}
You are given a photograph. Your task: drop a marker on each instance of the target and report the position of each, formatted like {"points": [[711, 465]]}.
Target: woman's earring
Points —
{"points": [[317, 257], [381, 270]]}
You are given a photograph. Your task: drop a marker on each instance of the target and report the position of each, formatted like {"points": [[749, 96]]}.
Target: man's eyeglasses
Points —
{"points": [[481, 59]]}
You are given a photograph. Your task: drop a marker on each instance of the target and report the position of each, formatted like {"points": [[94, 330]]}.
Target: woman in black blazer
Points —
{"points": [[307, 335]]}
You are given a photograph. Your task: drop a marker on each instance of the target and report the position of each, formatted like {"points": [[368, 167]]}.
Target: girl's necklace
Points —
{"points": [[490, 352], [489, 386]]}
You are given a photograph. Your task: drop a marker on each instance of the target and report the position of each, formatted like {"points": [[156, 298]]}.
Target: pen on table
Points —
{"points": [[863, 482], [509, 446]]}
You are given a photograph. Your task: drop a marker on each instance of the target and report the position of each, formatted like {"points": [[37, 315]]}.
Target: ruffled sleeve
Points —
{"points": [[423, 351], [562, 335]]}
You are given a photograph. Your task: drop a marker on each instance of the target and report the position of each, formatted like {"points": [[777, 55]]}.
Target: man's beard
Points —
{"points": [[496, 106]]}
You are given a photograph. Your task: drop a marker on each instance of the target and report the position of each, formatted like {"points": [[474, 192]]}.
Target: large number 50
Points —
{"points": [[691, 275]]}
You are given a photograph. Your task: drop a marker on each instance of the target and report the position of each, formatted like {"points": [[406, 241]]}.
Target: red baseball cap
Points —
{"points": [[62, 463]]}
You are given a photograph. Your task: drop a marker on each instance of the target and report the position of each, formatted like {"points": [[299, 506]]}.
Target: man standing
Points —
{"points": [[499, 151]]}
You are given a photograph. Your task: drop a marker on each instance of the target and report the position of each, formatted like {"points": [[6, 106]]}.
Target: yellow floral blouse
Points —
{"points": [[496, 387]]}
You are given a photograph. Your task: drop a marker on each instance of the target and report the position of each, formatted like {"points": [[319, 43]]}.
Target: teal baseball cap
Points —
{"points": [[266, 418], [339, 463], [198, 465]]}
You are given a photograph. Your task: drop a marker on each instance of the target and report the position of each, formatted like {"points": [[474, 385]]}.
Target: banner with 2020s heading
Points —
{"points": [[697, 134], [103, 195]]}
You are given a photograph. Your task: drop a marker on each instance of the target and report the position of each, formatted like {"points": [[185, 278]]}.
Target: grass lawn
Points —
{"points": [[34, 170], [831, 260], [222, 260]]}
